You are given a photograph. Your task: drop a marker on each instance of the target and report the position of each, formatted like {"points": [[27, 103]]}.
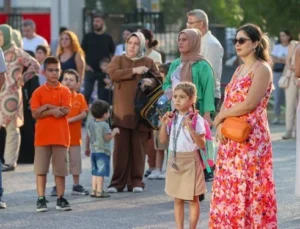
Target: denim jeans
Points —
{"points": [[89, 82], [1, 189]]}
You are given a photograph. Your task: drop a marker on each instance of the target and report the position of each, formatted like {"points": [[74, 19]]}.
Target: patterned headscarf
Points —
{"points": [[7, 37], [188, 59], [141, 51]]}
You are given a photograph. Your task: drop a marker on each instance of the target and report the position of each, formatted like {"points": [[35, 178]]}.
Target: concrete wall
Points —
{"points": [[66, 13]]}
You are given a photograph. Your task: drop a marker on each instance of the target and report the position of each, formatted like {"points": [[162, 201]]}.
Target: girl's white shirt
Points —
{"points": [[185, 142]]}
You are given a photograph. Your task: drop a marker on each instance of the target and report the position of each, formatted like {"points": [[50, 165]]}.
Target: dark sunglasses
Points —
{"points": [[240, 40], [56, 70]]}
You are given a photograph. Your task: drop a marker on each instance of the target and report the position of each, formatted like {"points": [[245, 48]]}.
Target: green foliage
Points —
{"points": [[271, 15]]}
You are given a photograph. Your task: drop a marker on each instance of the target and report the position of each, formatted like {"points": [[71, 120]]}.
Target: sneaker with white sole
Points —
{"points": [[112, 190], [41, 204], [154, 175], [162, 176], [138, 190], [79, 190], [62, 204], [2, 204]]}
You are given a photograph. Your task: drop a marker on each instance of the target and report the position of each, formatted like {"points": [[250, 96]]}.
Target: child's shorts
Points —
{"points": [[75, 160], [100, 164], [43, 156]]}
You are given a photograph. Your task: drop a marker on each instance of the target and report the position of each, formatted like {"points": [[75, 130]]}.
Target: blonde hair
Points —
{"points": [[75, 45], [188, 88]]}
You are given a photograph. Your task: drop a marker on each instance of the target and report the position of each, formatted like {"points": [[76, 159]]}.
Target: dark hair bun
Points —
{"points": [[154, 43]]}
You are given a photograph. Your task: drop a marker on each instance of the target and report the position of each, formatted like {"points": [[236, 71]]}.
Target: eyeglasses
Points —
{"points": [[192, 22], [56, 70], [241, 40]]}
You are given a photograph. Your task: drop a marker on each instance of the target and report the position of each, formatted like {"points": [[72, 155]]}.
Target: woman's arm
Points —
{"points": [[260, 83], [80, 65], [116, 72], [32, 65]]}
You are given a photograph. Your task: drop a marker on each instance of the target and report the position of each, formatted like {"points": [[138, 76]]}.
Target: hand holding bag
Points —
{"points": [[236, 129]]}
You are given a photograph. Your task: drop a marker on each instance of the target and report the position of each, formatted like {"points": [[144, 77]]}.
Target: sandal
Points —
{"points": [[93, 193], [102, 194]]}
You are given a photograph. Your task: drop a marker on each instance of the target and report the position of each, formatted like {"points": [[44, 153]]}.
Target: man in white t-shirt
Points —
{"points": [[211, 48], [30, 39]]}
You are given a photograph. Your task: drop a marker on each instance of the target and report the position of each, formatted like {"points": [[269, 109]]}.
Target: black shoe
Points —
{"points": [[201, 197], [147, 173], [7, 168], [62, 204], [41, 204], [53, 191], [79, 190], [209, 177]]}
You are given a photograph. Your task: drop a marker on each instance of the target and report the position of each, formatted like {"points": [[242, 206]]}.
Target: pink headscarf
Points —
{"points": [[188, 59]]}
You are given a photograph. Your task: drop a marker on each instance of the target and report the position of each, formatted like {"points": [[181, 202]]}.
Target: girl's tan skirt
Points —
{"points": [[187, 181]]}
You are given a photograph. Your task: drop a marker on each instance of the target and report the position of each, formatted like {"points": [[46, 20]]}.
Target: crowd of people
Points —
{"points": [[41, 97]]}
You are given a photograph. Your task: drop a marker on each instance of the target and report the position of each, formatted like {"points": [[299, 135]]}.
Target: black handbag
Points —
{"points": [[146, 103], [278, 67]]}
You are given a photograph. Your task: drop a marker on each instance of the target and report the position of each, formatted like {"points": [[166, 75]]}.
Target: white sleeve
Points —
{"points": [[200, 127], [275, 51], [2, 62]]}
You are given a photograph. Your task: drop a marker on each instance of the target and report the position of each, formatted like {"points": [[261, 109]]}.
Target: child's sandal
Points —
{"points": [[102, 194], [93, 193]]}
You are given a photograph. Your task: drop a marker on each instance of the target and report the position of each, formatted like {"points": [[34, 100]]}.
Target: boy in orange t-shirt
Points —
{"points": [[50, 106], [77, 113]]}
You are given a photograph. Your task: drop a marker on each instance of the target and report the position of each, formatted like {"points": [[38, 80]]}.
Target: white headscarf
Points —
{"points": [[141, 51]]}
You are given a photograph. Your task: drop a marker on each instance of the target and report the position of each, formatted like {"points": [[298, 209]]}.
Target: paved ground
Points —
{"points": [[151, 209]]}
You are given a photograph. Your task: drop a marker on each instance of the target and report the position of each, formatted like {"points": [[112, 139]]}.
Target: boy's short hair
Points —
{"points": [[51, 60], [99, 108], [44, 48], [72, 72], [105, 60]]}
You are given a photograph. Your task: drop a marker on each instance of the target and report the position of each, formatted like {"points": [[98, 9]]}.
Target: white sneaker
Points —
{"points": [[112, 190], [2, 204], [138, 190], [162, 176], [154, 175]]}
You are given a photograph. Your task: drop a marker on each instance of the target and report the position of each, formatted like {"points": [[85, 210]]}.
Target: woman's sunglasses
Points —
{"points": [[240, 40]]}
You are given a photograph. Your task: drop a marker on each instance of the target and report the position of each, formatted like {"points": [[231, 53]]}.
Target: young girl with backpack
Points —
{"points": [[185, 130]]}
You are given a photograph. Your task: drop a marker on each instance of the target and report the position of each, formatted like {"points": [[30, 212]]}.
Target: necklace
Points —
{"points": [[240, 74]]}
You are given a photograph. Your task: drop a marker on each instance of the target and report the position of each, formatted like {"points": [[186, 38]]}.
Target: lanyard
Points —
{"points": [[176, 133]]}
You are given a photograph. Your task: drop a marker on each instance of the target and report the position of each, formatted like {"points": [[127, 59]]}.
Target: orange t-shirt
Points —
{"points": [[51, 130], [78, 105]]}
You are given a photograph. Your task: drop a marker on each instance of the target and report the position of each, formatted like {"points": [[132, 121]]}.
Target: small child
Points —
{"points": [[41, 53], [157, 173], [98, 140], [78, 112], [108, 88], [184, 176], [50, 106]]}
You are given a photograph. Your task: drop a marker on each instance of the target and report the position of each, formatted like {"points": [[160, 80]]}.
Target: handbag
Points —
{"points": [[236, 129], [283, 81], [146, 103], [278, 67]]}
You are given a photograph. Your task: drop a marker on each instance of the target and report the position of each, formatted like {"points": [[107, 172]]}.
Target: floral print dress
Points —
{"points": [[11, 104], [243, 192]]}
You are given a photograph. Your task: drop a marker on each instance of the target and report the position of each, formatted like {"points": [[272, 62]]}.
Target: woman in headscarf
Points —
{"points": [[126, 72], [11, 112], [192, 67], [17, 38]]}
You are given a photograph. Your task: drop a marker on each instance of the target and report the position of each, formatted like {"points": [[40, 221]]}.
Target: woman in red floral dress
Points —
{"points": [[243, 195]]}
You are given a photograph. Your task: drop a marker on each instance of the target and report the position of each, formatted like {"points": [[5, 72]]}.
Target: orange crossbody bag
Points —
{"points": [[236, 129]]}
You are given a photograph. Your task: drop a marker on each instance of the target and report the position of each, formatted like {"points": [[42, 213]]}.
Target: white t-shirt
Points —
{"points": [[280, 51], [155, 56], [185, 142], [31, 44], [213, 51], [120, 50]]}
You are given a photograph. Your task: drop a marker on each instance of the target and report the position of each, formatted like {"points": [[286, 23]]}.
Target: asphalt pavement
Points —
{"points": [[148, 210]]}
